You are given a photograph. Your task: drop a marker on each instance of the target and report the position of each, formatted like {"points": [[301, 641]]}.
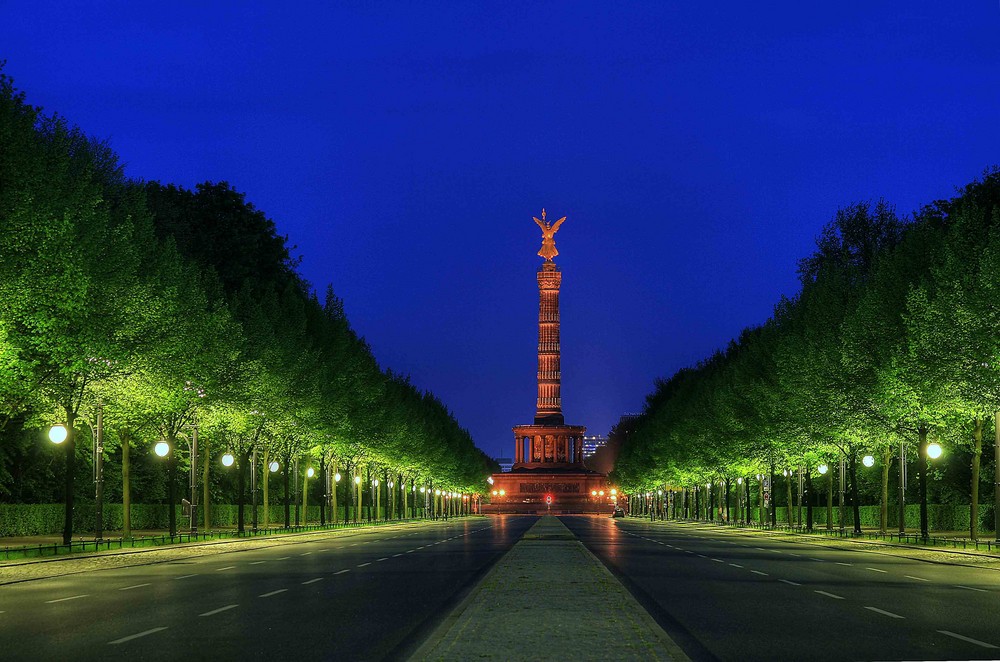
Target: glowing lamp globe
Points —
{"points": [[161, 448], [822, 469], [58, 434], [868, 461], [336, 477], [274, 466], [934, 451], [310, 472], [357, 480], [228, 459]]}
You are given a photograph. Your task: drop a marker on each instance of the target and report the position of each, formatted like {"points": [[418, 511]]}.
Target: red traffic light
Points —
{"points": [[548, 498]]}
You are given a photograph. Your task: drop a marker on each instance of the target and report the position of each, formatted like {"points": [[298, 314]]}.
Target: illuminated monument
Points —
{"points": [[548, 471]]}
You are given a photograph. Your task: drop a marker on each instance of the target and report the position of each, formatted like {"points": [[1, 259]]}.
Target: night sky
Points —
{"points": [[697, 149]]}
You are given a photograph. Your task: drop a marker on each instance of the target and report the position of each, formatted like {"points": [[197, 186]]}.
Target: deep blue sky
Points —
{"points": [[697, 149]]}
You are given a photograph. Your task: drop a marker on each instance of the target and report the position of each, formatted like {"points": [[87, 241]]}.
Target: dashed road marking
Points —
{"points": [[919, 579], [884, 612], [340, 572], [135, 636], [72, 597], [257, 562], [718, 560], [186, 576], [395, 555], [267, 595], [283, 558], [758, 572], [968, 639], [312, 581], [830, 595], [817, 560], [842, 563], [789, 582], [305, 553], [129, 588], [736, 565], [972, 588], [219, 610], [228, 567], [877, 570], [361, 565]]}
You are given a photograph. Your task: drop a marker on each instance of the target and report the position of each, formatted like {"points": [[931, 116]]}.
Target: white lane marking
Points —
{"points": [[129, 588], [421, 547], [73, 597], [793, 554], [305, 553], [830, 595], [395, 555], [761, 549], [689, 551], [384, 558], [340, 572], [842, 563], [919, 579], [186, 576], [410, 551], [312, 581], [364, 564], [877, 570], [228, 567], [220, 609], [283, 558], [968, 639], [789, 582], [758, 572], [267, 595], [736, 565], [718, 560], [971, 588], [884, 612], [702, 556], [817, 560], [136, 636], [257, 562]]}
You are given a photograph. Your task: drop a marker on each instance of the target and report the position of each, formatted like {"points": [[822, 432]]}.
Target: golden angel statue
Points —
{"points": [[549, 230]]}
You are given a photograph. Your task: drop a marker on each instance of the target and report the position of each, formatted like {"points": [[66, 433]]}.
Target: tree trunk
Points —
{"points": [[852, 469], [728, 484], [204, 482], [286, 477], [267, 494], [241, 495], [922, 476], [809, 500], [829, 498], [172, 485], [977, 451], [124, 438], [884, 511], [788, 496], [70, 475]]}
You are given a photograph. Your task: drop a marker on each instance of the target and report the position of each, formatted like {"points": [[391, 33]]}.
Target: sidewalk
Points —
{"points": [[549, 598]]}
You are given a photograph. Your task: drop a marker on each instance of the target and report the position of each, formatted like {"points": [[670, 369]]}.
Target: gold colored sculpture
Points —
{"points": [[549, 230]]}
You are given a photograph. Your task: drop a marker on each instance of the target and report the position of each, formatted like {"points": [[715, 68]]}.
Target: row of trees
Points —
{"points": [[159, 308], [891, 343]]}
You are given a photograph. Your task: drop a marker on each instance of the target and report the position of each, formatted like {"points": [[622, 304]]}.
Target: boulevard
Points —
{"points": [[719, 593]]}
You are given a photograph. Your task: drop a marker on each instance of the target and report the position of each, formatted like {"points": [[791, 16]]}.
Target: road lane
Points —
{"points": [[733, 595], [308, 596]]}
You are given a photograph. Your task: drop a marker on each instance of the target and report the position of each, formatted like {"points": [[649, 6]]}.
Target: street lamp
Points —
{"points": [[161, 448], [822, 469], [60, 433], [934, 450], [227, 459], [868, 461], [274, 466]]}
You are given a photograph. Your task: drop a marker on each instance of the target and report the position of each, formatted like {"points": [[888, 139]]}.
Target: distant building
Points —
{"points": [[506, 463], [592, 443]]}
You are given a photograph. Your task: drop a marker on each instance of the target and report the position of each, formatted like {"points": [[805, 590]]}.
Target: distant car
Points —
{"points": [[619, 512]]}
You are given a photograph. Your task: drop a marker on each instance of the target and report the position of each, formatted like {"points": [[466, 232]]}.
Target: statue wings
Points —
{"points": [[540, 224], [555, 226]]}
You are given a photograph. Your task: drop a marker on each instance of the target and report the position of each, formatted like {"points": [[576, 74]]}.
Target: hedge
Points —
{"points": [[47, 518], [939, 517]]}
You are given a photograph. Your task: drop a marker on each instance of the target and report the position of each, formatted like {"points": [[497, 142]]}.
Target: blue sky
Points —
{"points": [[696, 148]]}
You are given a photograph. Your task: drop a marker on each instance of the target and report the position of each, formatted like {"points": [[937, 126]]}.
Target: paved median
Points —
{"points": [[549, 598]]}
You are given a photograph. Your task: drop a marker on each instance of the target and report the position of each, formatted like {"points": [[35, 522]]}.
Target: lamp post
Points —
{"points": [[60, 433], [902, 488], [823, 470], [310, 472], [842, 511]]}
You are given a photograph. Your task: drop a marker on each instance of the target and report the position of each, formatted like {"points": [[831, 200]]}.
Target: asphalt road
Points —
{"points": [[364, 594], [727, 595]]}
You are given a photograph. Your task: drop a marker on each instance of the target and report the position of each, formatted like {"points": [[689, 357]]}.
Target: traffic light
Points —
{"points": [[548, 499]]}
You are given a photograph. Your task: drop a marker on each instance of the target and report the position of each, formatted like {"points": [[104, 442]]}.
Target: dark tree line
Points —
{"points": [[891, 343], [162, 308]]}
